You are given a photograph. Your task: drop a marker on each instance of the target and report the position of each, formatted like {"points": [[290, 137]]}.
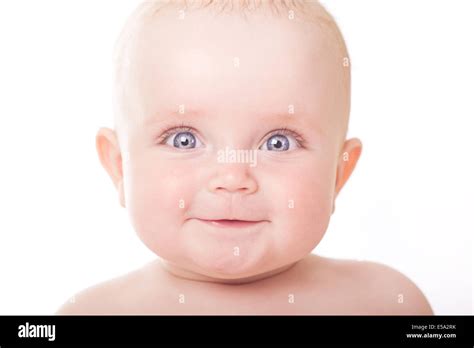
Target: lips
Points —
{"points": [[225, 223]]}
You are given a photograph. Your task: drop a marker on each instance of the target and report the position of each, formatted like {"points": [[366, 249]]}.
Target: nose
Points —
{"points": [[232, 178]]}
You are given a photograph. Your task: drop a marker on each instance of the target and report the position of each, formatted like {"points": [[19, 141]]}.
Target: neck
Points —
{"points": [[181, 273]]}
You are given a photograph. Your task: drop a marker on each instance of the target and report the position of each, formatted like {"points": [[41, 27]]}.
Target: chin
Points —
{"points": [[230, 267]]}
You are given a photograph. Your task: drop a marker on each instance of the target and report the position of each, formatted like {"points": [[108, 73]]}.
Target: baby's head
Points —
{"points": [[230, 110]]}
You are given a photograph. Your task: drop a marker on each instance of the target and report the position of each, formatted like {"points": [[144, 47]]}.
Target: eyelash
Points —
{"points": [[173, 130], [288, 131], [186, 128]]}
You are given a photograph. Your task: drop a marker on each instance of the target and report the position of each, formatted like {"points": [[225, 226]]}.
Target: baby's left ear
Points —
{"points": [[347, 161]]}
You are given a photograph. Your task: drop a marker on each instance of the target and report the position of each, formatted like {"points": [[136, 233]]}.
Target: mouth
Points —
{"points": [[231, 223]]}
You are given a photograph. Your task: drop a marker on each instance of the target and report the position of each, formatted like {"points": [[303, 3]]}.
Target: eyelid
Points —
{"points": [[287, 131], [171, 130]]}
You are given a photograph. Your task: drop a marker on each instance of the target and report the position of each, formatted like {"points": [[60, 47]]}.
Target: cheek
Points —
{"points": [[157, 196], [302, 198]]}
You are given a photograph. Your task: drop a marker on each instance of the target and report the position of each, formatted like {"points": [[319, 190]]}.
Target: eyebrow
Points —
{"points": [[196, 113], [163, 116]]}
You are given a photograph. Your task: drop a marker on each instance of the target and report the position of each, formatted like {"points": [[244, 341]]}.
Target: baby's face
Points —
{"points": [[233, 84]]}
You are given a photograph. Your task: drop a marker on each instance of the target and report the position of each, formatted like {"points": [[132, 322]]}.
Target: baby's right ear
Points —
{"points": [[110, 157]]}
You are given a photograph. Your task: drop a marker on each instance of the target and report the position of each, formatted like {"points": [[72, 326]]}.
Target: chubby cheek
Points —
{"points": [[302, 206], [156, 197]]}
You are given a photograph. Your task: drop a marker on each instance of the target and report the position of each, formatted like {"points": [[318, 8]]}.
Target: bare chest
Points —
{"points": [[292, 299]]}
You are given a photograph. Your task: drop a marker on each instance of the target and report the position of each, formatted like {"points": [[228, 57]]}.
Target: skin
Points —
{"points": [[292, 192], [315, 285]]}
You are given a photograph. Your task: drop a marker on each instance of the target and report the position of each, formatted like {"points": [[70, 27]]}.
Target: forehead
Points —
{"points": [[227, 63]]}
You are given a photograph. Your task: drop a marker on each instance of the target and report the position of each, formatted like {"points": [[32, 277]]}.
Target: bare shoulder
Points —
{"points": [[393, 288], [375, 288], [389, 291], [112, 296]]}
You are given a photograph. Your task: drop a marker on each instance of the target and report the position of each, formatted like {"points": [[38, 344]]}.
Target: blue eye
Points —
{"points": [[179, 137], [184, 140], [279, 142], [182, 137]]}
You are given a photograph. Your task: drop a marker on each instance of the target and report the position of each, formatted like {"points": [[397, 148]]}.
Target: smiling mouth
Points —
{"points": [[231, 223]]}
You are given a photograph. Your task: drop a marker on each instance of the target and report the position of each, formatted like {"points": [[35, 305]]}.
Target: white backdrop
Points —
{"points": [[408, 204]]}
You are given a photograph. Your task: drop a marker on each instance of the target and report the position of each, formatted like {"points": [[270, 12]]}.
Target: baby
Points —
{"points": [[228, 152]]}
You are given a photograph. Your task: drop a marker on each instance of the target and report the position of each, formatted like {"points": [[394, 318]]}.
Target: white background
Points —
{"points": [[408, 204]]}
